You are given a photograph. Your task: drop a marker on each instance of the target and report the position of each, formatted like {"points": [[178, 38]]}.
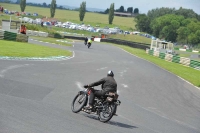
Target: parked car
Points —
{"points": [[58, 24], [48, 24]]}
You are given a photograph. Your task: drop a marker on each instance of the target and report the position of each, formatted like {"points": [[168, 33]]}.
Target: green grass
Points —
{"points": [[55, 29], [133, 38], [187, 73], [16, 49], [66, 15], [53, 40]]}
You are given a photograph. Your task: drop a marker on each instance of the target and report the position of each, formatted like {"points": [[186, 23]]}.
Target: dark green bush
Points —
{"points": [[57, 35]]}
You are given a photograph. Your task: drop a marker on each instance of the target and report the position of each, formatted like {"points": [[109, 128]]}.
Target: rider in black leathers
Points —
{"points": [[86, 40], [108, 84]]}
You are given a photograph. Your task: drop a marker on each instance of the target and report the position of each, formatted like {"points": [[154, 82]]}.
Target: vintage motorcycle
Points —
{"points": [[105, 106]]}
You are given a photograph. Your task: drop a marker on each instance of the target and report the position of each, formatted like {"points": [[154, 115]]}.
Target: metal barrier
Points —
{"points": [[1, 34], [176, 59]]}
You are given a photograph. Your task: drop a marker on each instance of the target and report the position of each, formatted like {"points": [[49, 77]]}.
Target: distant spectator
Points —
{"points": [[42, 23], [23, 29], [1, 9]]}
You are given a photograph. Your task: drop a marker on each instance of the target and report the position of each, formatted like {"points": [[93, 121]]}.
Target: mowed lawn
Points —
{"points": [[67, 15], [18, 49], [64, 42]]}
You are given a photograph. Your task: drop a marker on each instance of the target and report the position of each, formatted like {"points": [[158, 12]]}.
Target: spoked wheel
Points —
{"points": [[107, 112], [78, 102]]}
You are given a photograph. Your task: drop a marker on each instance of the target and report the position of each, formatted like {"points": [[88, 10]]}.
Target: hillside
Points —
{"points": [[66, 15]]}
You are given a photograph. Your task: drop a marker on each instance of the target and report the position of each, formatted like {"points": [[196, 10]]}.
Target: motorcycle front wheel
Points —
{"points": [[78, 102], [107, 112]]}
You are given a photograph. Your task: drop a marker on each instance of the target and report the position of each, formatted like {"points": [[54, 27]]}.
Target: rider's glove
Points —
{"points": [[85, 86]]}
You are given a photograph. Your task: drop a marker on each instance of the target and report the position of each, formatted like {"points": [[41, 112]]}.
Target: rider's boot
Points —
{"points": [[89, 107]]}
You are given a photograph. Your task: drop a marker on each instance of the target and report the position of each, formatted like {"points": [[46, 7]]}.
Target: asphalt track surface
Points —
{"points": [[36, 96]]}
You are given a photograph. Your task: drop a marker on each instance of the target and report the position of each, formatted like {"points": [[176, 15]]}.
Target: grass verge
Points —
{"points": [[16, 49], [53, 40], [187, 73], [132, 38]]}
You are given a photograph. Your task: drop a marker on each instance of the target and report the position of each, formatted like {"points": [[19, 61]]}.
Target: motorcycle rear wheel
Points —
{"points": [[80, 99], [89, 44], [107, 112]]}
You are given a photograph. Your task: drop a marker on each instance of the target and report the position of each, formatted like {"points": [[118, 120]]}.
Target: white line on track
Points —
{"points": [[125, 86], [162, 68], [102, 68], [10, 68]]}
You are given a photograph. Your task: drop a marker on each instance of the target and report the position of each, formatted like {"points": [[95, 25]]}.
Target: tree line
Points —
{"points": [[82, 9], [182, 25], [122, 9]]}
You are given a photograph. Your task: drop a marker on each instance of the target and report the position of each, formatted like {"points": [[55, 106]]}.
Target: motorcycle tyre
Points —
{"points": [[84, 103], [106, 120]]}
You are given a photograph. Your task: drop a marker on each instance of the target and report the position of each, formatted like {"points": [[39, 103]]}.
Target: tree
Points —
{"points": [[44, 4], [111, 13], [143, 23], [121, 9], [130, 9], [106, 11], [23, 5], [183, 33], [53, 8], [18, 2], [136, 11], [158, 12], [194, 36], [166, 26], [187, 13], [82, 10]]}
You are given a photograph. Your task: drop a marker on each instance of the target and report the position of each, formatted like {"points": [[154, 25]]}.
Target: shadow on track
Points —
{"points": [[119, 124], [113, 123]]}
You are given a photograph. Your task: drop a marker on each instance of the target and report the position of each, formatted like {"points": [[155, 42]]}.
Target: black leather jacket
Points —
{"points": [[86, 39], [108, 84]]}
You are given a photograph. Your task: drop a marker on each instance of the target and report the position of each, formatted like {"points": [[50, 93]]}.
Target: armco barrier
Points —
{"points": [[184, 61], [162, 55], [156, 53], [75, 37], [168, 57], [36, 33], [176, 59], [151, 52], [127, 43], [10, 36], [116, 41], [1, 34], [147, 50], [22, 38], [195, 64]]}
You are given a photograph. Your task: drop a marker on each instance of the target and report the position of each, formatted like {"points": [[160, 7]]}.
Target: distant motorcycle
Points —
{"points": [[104, 107]]}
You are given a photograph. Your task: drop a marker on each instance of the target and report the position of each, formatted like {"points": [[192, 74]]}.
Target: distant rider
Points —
{"points": [[86, 40]]}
